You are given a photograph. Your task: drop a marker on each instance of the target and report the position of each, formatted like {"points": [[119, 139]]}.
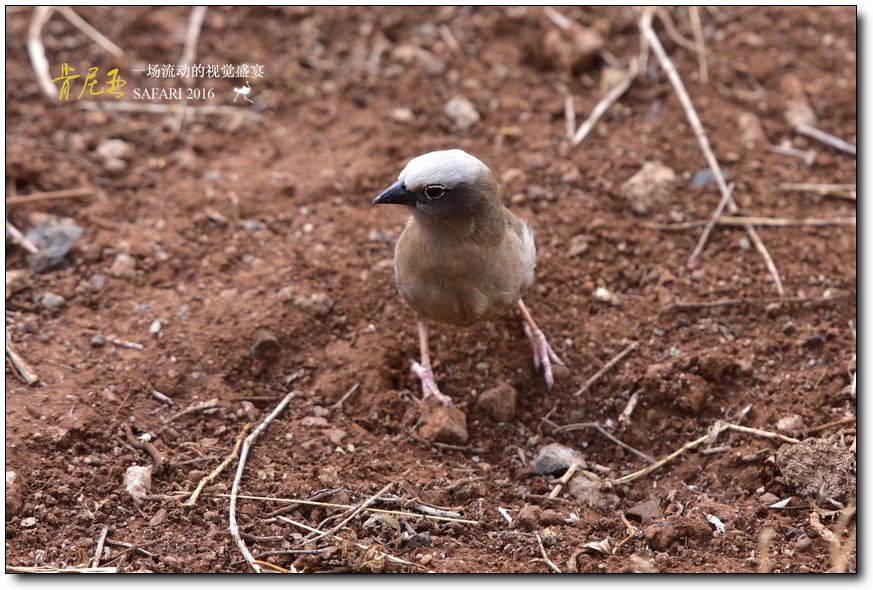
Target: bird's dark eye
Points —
{"points": [[434, 191]]}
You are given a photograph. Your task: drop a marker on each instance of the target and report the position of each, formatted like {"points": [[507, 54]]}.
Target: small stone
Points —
{"points": [[647, 512], [529, 517], [556, 457], [54, 237], [578, 245], [16, 486], [335, 436], [114, 165], [51, 301], [155, 327], [441, 423], [552, 518], [316, 304], [462, 113], [652, 185], [98, 341], [416, 541], [314, 422], [329, 477], [593, 494], [768, 499], [114, 148], [266, 346], [159, 518], [790, 424], [138, 482], [803, 544], [28, 523], [433, 66], [403, 115], [661, 535], [123, 267], [499, 403]]}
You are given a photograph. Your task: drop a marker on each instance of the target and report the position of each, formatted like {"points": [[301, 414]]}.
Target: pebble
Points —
{"points": [[529, 517], [316, 304], [314, 422], [556, 457], [114, 148], [593, 494], [335, 436], [462, 112], [402, 115], [578, 245], [652, 185], [98, 341], [50, 301], [499, 403], [440, 423], [552, 518], [123, 267], [138, 482], [54, 237]]}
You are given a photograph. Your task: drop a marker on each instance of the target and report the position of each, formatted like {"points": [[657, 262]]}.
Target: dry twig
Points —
{"points": [[826, 138], [601, 430], [36, 50], [92, 33], [680, 305], [546, 559], [24, 371], [698, 44], [98, 552], [217, 471], [755, 221], [64, 194], [234, 528], [611, 363], [768, 260], [20, 239], [608, 99]]}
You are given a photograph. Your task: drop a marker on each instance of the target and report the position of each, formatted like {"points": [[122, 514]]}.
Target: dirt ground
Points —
{"points": [[241, 254]]}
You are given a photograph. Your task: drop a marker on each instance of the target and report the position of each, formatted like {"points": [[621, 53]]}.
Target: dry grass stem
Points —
{"points": [[698, 44], [610, 364], [358, 545], [546, 559], [247, 443], [195, 408], [21, 367], [92, 33], [717, 428], [347, 395], [755, 221], [846, 191], [768, 260], [645, 24], [570, 116], [36, 50], [826, 138], [680, 305], [64, 194], [612, 95], [601, 430], [189, 54], [18, 238], [98, 552], [217, 471], [571, 471]]}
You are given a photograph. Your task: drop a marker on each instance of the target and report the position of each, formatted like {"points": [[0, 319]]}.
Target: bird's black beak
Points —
{"points": [[396, 194]]}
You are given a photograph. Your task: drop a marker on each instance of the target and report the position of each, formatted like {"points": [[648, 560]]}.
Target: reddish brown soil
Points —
{"points": [[234, 225]]}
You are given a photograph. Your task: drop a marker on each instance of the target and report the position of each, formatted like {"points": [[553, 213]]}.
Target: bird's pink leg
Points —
{"points": [[424, 371], [543, 354]]}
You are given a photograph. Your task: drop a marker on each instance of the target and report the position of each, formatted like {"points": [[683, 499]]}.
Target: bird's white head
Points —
{"points": [[448, 168]]}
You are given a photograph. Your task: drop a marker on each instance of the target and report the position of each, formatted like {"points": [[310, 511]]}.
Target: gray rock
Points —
{"points": [[54, 237], [556, 457]]}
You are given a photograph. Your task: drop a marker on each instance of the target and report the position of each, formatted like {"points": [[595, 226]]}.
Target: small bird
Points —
{"points": [[462, 257]]}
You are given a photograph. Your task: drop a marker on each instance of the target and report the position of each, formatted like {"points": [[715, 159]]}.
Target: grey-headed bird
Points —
{"points": [[462, 257]]}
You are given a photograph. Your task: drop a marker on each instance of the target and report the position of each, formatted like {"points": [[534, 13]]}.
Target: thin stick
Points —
{"points": [[571, 471], [90, 31], [546, 559], [65, 194], [831, 425], [215, 473], [161, 109], [734, 221], [771, 266], [612, 362], [124, 343], [826, 138], [847, 191], [207, 405], [195, 23], [726, 200], [609, 98], [98, 552], [24, 371], [234, 528], [358, 509], [731, 302], [570, 115], [601, 430], [698, 43], [19, 238], [346, 396], [36, 50], [718, 428], [358, 545], [148, 447]]}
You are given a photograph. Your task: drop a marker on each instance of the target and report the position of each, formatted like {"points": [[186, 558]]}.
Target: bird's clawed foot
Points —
{"points": [[543, 353], [428, 384]]}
